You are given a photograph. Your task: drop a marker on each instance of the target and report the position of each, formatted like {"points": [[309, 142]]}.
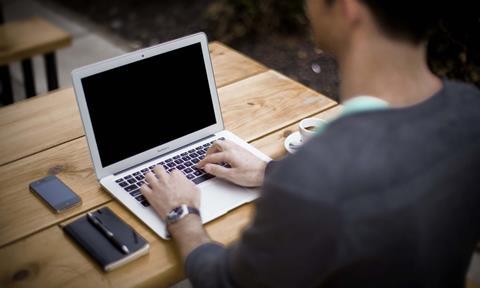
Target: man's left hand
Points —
{"points": [[166, 191]]}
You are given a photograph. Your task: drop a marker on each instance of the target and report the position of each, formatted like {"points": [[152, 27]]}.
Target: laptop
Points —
{"points": [[157, 106]]}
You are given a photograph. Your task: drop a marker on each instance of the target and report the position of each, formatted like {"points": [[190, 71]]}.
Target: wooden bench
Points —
{"points": [[22, 40]]}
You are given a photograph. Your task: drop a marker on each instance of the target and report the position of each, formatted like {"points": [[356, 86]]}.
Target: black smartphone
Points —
{"points": [[55, 193]]}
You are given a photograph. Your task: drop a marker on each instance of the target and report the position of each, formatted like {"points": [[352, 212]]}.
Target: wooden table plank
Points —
{"points": [[231, 66], [270, 101], [26, 38], [35, 261], [276, 101], [40, 123]]}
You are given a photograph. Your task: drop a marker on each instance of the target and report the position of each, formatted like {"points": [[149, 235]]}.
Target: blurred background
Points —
{"points": [[273, 32]]}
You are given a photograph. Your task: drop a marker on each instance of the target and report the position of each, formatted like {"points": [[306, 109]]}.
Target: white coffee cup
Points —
{"points": [[308, 127]]}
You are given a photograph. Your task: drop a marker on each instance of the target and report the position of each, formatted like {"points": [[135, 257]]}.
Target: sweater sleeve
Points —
{"points": [[269, 253]]}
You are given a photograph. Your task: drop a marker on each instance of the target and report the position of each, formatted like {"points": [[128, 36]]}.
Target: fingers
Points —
{"points": [[218, 146], [218, 171], [215, 158], [161, 173], [152, 181], [145, 189]]}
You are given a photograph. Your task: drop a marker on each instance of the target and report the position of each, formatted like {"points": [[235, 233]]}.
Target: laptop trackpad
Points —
{"points": [[220, 196]]}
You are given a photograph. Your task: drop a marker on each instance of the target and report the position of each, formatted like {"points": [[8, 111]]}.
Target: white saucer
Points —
{"points": [[293, 142]]}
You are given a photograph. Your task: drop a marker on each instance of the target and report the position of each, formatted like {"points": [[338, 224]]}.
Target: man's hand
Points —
{"points": [[168, 191], [246, 169]]}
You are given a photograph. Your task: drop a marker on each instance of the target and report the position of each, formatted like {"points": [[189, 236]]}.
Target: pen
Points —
{"points": [[107, 233]]}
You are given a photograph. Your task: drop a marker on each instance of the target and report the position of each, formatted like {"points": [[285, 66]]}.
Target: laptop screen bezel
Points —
{"points": [[80, 73]]}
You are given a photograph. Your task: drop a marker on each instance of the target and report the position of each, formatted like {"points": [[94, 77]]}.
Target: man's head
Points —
{"points": [[334, 22]]}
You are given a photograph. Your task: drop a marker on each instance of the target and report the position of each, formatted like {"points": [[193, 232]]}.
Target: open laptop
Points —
{"points": [[156, 106]]}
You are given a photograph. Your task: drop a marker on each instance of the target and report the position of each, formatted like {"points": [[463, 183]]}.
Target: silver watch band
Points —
{"points": [[180, 212]]}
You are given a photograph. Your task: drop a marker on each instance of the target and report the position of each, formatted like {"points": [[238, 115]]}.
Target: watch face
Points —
{"points": [[175, 213]]}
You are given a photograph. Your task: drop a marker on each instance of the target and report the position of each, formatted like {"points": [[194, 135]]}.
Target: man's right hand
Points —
{"points": [[246, 169]]}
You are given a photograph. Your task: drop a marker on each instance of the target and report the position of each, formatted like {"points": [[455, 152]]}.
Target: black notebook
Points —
{"points": [[99, 247]]}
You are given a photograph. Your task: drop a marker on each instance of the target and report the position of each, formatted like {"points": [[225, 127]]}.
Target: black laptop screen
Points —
{"points": [[147, 103]]}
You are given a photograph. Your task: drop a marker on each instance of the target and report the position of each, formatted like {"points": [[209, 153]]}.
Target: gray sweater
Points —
{"points": [[380, 199]]}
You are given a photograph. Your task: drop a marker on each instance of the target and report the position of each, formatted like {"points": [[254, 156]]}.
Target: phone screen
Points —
{"points": [[55, 193]]}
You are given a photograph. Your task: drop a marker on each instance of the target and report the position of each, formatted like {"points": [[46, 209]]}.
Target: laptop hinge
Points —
{"points": [[160, 156]]}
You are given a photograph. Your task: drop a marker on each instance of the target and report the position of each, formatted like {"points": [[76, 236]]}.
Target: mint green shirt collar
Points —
{"points": [[357, 104]]}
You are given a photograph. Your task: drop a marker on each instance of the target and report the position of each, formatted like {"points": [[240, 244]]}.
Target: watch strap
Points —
{"points": [[180, 212]]}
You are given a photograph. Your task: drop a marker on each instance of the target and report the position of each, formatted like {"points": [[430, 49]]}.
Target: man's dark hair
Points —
{"points": [[412, 20]]}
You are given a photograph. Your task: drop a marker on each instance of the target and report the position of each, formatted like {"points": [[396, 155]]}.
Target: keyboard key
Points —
{"points": [[161, 163], [202, 178], [168, 160], [178, 161], [186, 158], [140, 183], [135, 193], [123, 184], [197, 173], [221, 138], [170, 170], [176, 156], [206, 145], [188, 170], [188, 163], [190, 176], [145, 170], [199, 148], [136, 173], [184, 154], [131, 181], [119, 180], [180, 167], [165, 167], [145, 203], [139, 177], [140, 198], [193, 155], [151, 167], [191, 151], [201, 152], [128, 177], [130, 188], [195, 160], [201, 157], [171, 164]]}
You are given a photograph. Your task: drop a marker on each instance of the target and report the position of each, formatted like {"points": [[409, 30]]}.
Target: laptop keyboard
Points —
{"points": [[184, 162]]}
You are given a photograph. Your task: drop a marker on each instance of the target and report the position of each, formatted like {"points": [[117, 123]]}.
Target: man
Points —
{"points": [[381, 198]]}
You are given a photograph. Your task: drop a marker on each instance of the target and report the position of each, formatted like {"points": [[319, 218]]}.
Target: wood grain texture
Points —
{"points": [[35, 261], [21, 213], [230, 66], [270, 101], [27, 38], [272, 144], [39, 123]]}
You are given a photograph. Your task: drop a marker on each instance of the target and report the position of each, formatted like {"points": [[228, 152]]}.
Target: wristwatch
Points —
{"points": [[180, 212]]}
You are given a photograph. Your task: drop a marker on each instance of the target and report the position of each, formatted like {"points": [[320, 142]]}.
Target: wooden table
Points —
{"points": [[44, 135]]}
